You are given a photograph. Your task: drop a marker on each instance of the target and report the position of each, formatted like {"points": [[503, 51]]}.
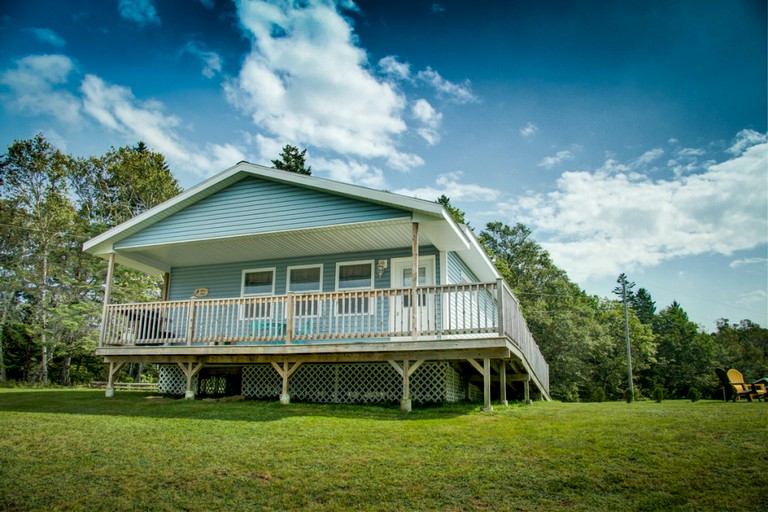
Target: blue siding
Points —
{"points": [[456, 267], [255, 205], [224, 281]]}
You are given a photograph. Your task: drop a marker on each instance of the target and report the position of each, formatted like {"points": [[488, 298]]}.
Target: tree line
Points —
{"points": [[51, 292]]}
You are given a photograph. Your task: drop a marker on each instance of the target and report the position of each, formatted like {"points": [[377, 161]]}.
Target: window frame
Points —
{"points": [[364, 307], [314, 310], [268, 313]]}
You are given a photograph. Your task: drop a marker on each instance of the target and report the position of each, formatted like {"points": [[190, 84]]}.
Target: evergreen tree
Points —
{"points": [[50, 290], [644, 306], [457, 214], [293, 160], [686, 356]]}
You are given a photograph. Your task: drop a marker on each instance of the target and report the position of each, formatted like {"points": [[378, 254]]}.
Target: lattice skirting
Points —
{"points": [[355, 383], [172, 381]]}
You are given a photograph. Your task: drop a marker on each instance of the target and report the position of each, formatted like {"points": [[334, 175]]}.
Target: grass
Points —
{"points": [[76, 450]]}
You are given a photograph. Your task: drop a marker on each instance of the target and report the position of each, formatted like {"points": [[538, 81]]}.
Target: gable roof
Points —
{"points": [[439, 227]]}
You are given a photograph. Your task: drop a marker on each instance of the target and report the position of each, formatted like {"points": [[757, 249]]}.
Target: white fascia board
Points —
{"points": [[479, 261]]}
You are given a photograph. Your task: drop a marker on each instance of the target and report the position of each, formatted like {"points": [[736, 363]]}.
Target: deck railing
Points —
{"points": [[466, 310]]}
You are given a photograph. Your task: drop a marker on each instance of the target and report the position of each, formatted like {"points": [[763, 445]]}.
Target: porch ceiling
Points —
{"points": [[299, 243]]}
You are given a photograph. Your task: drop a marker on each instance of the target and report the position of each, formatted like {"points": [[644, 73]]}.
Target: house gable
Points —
{"points": [[255, 205]]}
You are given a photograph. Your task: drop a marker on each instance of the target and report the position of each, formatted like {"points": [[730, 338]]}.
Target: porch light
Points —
{"points": [[380, 266]]}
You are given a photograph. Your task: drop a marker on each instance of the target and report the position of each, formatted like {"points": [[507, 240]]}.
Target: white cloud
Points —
{"points": [[349, 171], [752, 298], [393, 67], [37, 87], [451, 185], [690, 152], [529, 130], [142, 12], [746, 139], [208, 4], [552, 161], [116, 108], [456, 93], [648, 157], [438, 8], [748, 262], [430, 120], [211, 60], [306, 81], [48, 36], [601, 223]]}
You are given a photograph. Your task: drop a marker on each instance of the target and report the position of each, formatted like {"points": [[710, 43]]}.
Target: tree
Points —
{"points": [[293, 160], [122, 184], [34, 184], [644, 306], [609, 361], [743, 346], [457, 214], [686, 357], [50, 290], [562, 318]]}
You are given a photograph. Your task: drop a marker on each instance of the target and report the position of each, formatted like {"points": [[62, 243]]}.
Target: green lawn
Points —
{"points": [[76, 450]]}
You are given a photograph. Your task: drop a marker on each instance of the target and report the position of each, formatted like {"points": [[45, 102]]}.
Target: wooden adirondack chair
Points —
{"points": [[743, 388]]}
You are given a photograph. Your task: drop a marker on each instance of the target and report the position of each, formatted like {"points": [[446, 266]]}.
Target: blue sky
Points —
{"points": [[629, 136]]}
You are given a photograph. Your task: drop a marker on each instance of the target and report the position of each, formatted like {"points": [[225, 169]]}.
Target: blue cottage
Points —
{"points": [[280, 285]]}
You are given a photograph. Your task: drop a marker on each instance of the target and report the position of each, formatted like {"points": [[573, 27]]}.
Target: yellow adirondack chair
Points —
{"points": [[743, 388]]}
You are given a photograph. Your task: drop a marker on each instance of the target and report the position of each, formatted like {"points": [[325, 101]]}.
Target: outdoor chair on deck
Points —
{"points": [[734, 381]]}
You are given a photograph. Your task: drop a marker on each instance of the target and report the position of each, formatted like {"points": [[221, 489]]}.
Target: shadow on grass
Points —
{"points": [[142, 404]]}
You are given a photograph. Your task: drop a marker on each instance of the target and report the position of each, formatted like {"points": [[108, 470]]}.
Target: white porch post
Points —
{"points": [[414, 279], [166, 286], [107, 297]]}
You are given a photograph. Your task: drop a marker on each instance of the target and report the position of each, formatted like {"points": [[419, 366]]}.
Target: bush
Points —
{"points": [[658, 394], [598, 395], [694, 395]]}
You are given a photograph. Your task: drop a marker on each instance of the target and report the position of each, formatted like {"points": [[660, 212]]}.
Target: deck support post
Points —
{"points": [[527, 391], [487, 384], [107, 297], [414, 280], [113, 369], [405, 402], [485, 371], [503, 383], [190, 370], [285, 373], [405, 372]]}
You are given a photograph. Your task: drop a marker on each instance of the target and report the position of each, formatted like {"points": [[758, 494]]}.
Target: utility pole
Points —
{"points": [[626, 332]]}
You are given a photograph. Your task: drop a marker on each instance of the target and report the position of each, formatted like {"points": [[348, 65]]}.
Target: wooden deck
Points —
{"points": [[473, 322]]}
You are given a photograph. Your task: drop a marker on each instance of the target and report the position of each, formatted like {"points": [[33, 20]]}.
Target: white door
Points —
{"points": [[401, 312]]}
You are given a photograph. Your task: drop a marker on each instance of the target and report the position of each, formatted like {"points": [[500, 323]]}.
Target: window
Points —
{"points": [[307, 279], [357, 275], [258, 283], [408, 279]]}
